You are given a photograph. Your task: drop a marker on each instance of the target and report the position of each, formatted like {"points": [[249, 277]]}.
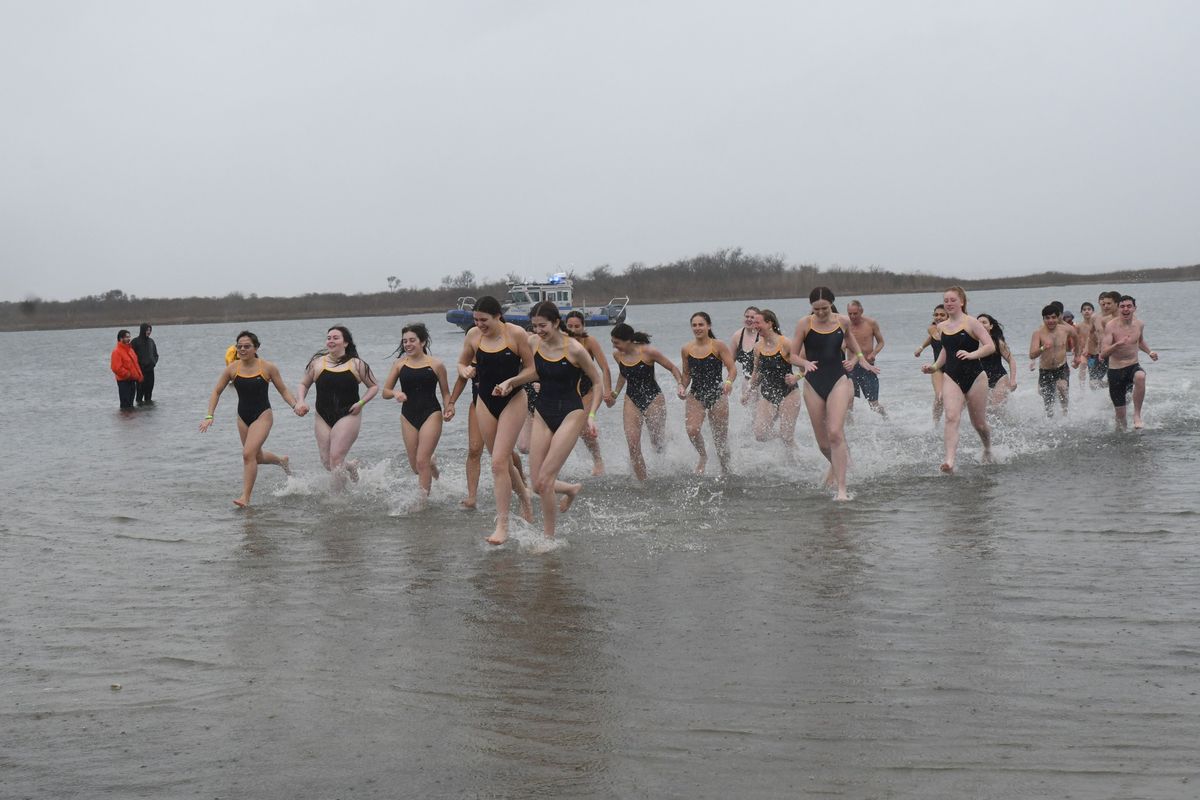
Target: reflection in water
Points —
{"points": [[538, 645]]}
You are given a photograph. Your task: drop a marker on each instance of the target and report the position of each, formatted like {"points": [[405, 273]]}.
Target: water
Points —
{"points": [[1021, 630]]}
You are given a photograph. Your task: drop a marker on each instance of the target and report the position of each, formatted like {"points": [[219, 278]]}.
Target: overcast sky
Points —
{"points": [[170, 148]]}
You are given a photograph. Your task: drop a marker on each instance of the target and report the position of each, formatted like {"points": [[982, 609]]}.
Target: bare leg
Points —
{"points": [[474, 457], [547, 453], [693, 419], [718, 421], [937, 379], [500, 436], [1139, 394], [341, 438], [521, 487], [633, 437], [656, 422], [789, 413], [816, 415], [523, 436], [592, 443], [837, 405], [253, 437], [952, 398], [977, 400]]}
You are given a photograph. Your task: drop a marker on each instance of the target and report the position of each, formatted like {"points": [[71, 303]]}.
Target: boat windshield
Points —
{"points": [[519, 296]]}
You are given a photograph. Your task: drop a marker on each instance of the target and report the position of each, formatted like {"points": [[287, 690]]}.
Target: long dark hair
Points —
{"points": [[769, 316], [624, 332], [351, 351], [248, 335], [422, 336], [704, 316], [997, 331], [548, 311]]}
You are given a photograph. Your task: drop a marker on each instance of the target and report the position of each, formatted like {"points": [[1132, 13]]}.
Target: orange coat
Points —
{"points": [[124, 363]]}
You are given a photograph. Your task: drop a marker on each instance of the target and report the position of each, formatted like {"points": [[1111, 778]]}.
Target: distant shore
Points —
{"points": [[725, 275]]}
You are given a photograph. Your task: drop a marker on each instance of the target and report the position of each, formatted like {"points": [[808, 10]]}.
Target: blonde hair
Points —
{"points": [[962, 295]]}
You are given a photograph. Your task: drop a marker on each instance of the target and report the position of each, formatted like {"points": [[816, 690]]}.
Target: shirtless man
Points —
{"points": [[1123, 338], [1088, 357], [1108, 312], [1049, 345], [870, 339]]}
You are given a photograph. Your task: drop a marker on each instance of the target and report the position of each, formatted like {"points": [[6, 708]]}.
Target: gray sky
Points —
{"points": [[169, 148]]}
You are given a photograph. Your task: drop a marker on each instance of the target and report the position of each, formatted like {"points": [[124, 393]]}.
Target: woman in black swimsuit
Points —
{"points": [[337, 371], [493, 353], [251, 376], [744, 339], [420, 375], [560, 363], [778, 400], [577, 329], [819, 343], [703, 359], [934, 339], [644, 399], [993, 365], [965, 342]]}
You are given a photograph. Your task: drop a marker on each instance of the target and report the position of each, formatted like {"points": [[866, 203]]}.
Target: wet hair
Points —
{"points": [[704, 316], [422, 336], [624, 332], [1051, 311], [576, 314], [144, 328], [854, 303], [1125, 297], [121, 334], [351, 351], [247, 335], [548, 311], [1114, 296], [769, 316], [1058, 304], [961, 292], [997, 330], [821, 293], [1086, 304], [755, 309], [488, 305]]}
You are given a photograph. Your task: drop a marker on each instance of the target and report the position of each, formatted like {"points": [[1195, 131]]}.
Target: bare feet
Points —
{"points": [[1137, 422], [701, 464], [842, 497], [987, 456], [352, 470], [434, 469], [241, 502], [468, 502], [569, 495], [598, 468], [829, 481], [285, 463], [499, 537], [947, 468]]}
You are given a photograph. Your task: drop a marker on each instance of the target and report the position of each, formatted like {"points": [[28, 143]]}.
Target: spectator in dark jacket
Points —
{"points": [[147, 356]]}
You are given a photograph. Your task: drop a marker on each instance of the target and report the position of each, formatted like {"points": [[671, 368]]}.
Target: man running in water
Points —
{"points": [[1123, 338], [870, 339], [1049, 345]]}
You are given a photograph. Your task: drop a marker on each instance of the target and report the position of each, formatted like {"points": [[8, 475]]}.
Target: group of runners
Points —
{"points": [[538, 392]]}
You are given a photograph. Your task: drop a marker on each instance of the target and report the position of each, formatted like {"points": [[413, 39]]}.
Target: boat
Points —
{"points": [[522, 297]]}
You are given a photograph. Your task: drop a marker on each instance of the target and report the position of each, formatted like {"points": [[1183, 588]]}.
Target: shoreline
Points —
{"points": [[30, 316]]}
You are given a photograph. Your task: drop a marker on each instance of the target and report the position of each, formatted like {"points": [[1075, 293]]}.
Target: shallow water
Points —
{"points": [[1021, 630]]}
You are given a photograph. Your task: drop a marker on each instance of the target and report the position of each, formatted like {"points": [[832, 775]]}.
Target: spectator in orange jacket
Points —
{"points": [[124, 363]]}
